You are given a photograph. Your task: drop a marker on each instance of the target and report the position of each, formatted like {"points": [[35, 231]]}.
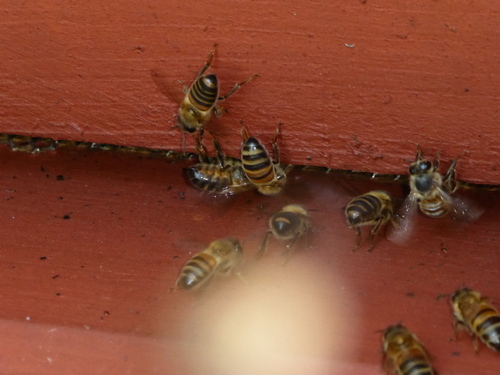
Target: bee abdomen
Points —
{"points": [[416, 366], [208, 177], [284, 223], [203, 94], [487, 325], [196, 271], [363, 208], [434, 208], [256, 162]]}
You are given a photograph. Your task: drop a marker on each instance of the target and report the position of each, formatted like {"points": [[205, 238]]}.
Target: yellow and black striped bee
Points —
{"points": [[292, 222], [477, 316], [202, 97], [404, 354], [222, 175], [431, 193], [266, 174], [221, 257], [373, 208]]}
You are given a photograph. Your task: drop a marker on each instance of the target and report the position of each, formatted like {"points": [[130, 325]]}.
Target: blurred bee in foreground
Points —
{"points": [[404, 354], [221, 257], [202, 97], [221, 175], [431, 192], [265, 173], [477, 316], [373, 208], [289, 224]]}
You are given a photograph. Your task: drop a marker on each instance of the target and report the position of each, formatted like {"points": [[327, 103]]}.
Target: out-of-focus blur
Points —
{"points": [[284, 320]]}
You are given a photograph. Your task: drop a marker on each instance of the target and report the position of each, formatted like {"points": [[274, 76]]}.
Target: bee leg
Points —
{"points": [[220, 153], [185, 89], [202, 151], [449, 180], [244, 132], [236, 87], [263, 245], [276, 153], [208, 63], [219, 111], [240, 276], [374, 232], [358, 238], [436, 161]]}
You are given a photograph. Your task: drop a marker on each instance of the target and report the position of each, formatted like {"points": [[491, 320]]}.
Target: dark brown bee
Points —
{"points": [[373, 208], [266, 174], [222, 175], [404, 354], [202, 97], [477, 316], [431, 193], [219, 258], [292, 222]]}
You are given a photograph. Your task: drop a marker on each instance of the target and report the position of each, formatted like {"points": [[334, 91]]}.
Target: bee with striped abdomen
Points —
{"points": [[477, 316], [404, 354], [292, 222], [202, 97], [266, 174], [221, 257], [432, 194], [221, 175], [373, 208]]}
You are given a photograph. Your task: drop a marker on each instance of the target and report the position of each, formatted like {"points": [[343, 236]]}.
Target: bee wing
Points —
{"points": [[404, 220], [237, 189], [465, 210]]}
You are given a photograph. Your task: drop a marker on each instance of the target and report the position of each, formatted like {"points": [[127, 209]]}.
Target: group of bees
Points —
{"points": [[430, 192], [404, 354]]}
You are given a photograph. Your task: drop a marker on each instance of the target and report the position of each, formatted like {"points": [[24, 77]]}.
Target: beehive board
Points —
{"points": [[356, 84], [93, 243]]}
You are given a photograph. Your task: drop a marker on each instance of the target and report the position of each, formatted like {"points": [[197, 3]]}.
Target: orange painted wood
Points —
{"points": [[356, 83], [92, 244]]}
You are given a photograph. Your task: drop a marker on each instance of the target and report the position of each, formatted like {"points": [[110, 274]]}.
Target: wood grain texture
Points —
{"points": [[356, 84]]}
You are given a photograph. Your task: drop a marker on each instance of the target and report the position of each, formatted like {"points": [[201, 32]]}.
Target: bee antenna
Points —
{"points": [[419, 152]]}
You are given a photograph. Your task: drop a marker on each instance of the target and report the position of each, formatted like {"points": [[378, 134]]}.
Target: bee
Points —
{"points": [[201, 98], [292, 222], [373, 208], [265, 173], [221, 257], [28, 144], [431, 193], [404, 354], [477, 316], [222, 175]]}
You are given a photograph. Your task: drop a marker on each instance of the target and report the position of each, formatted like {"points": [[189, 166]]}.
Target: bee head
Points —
{"points": [[189, 120], [420, 167]]}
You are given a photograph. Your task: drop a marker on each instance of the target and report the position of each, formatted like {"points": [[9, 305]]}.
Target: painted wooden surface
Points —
{"points": [[92, 244], [356, 83]]}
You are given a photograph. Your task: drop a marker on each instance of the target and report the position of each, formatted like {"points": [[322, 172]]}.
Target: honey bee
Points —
{"points": [[431, 193], [292, 222], [373, 208], [404, 354], [222, 175], [477, 316], [201, 98], [266, 174], [221, 257]]}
